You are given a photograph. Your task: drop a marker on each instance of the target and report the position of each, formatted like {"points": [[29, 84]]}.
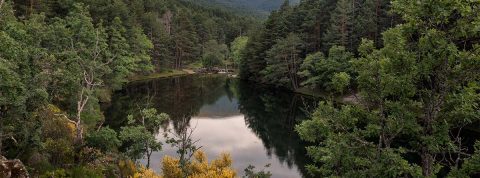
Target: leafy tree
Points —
{"points": [[139, 136], [90, 57], [62, 53], [237, 48], [185, 144], [340, 81], [185, 38], [251, 173], [283, 62], [140, 48], [105, 139], [214, 54], [139, 141], [319, 70], [123, 63], [420, 89], [321, 25], [253, 61], [21, 92], [470, 166], [340, 31]]}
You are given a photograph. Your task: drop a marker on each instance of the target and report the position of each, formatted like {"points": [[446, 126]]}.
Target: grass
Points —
{"points": [[195, 65], [163, 74]]}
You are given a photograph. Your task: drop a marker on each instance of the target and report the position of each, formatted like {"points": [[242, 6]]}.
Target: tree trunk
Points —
{"points": [[427, 162], [78, 123], [149, 154], [79, 129]]}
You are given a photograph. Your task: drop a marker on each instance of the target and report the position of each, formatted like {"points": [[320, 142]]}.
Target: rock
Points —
{"points": [[12, 168]]}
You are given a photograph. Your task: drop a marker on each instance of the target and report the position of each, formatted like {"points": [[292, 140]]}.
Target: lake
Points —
{"points": [[253, 123]]}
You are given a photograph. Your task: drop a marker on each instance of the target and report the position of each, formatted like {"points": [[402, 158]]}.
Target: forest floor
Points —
{"points": [[163, 74]]}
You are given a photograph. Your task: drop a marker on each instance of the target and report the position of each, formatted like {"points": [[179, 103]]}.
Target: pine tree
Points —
{"points": [[185, 39], [424, 89], [340, 30], [122, 60], [318, 70], [283, 62]]}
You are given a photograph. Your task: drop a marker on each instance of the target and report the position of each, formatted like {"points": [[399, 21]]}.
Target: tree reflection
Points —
{"points": [[272, 116], [179, 97]]}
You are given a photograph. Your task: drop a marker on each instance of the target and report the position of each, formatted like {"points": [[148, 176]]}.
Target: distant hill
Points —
{"points": [[257, 7]]}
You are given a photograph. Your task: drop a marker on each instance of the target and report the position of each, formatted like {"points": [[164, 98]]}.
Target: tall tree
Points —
{"points": [[214, 54], [424, 89], [123, 63], [140, 133], [23, 80], [88, 59], [185, 39], [237, 48], [318, 70], [341, 23], [283, 62]]}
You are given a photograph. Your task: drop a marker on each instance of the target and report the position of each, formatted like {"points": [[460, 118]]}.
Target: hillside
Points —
{"points": [[256, 7]]}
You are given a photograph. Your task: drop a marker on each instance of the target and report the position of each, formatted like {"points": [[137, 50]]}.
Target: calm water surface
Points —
{"points": [[255, 125]]}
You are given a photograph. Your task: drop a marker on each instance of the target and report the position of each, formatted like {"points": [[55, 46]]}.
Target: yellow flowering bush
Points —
{"points": [[199, 167]]}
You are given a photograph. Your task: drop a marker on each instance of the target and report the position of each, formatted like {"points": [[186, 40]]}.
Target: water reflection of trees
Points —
{"points": [[179, 97], [272, 116]]}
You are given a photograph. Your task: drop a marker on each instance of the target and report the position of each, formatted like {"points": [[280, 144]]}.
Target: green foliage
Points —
{"points": [[340, 81], [150, 119], [311, 69], [470, 167], [319, 71], [139, 136], [340, 30], [104, 139], [214, 54], [410, 90], [283, 61], [251, 173], [237, 48], [77, 172], [344, 148], [320, 25], [139, 141], [123, 62], [60, 151]]}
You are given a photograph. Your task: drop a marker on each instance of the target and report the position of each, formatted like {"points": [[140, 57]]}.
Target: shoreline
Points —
{"points": [[160, 75]]}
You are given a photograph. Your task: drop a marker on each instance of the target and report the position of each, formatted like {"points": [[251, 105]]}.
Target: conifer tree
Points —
{"points": [[185, 40], [341, 22], [283, 62], [424, 89]]}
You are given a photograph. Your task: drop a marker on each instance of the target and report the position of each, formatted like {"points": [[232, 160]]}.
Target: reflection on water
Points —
{"points": [[255, 125]]}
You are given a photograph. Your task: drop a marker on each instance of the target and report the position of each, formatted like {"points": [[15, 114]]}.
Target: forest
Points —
{"points": [[397, 85], [60, 60], [412, 65]]}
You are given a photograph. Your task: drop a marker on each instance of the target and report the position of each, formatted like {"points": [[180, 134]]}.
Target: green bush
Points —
{"points": [[104, 139]]}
